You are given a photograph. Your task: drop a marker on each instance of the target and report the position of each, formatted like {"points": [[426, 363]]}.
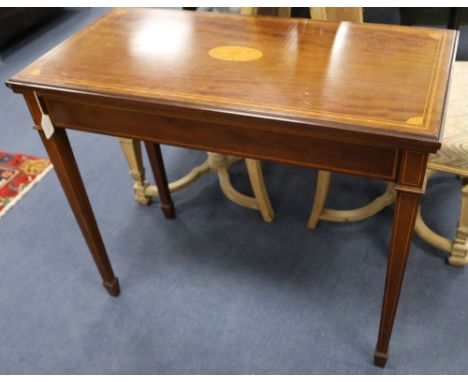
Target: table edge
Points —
{"points": [[425, 142]]}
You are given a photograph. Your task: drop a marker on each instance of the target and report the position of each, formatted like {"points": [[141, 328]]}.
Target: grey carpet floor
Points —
{"points": [[216, 290]]}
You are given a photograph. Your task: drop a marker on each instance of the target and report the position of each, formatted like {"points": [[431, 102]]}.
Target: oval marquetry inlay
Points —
{"points": [[235, 53]]}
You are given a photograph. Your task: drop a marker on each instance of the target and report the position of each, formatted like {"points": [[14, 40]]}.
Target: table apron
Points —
{"points": [[325, 154]]}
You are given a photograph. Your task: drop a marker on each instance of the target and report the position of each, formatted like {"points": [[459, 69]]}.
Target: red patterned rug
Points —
{"points": [[18, 173]]}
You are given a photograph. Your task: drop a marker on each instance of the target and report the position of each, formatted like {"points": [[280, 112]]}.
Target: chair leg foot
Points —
{"points": [[132, 151], [459, 251], [112, 287], [458, 258]]}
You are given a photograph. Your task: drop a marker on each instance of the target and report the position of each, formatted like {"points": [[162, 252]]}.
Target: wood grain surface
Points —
{"points": [[364, 76]]}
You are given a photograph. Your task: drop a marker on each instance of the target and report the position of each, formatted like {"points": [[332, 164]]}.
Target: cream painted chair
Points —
{"points": [[452, 158], [215, 162], [353, 14]]}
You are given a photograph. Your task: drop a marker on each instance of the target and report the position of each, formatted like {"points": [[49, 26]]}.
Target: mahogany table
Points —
{"points": [[363, 99]]}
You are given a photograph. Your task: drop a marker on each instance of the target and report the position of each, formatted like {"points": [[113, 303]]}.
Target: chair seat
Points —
{"points": [[453, 155]]}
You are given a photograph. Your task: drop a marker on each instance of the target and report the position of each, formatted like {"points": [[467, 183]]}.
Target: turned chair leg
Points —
{"points": [[254, 169], [260, 201], [321, 193], [132, 151], [459, 253], [457, 247]]}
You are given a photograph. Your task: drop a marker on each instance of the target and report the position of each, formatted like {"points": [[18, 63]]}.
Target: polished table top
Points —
{"points": [[360, 77]]}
